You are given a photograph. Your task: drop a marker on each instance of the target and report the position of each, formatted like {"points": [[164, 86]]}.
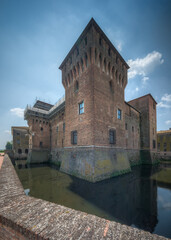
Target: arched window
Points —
{"points": [[122, 81], [77, 51], [100, 60], [90, 54], [105, 64], [109, 51], [76, 86], [86, 60], [100, 41], [111, 86], [82, 65], [78, 69], [119, 79], [116, 75], [19, 151]]}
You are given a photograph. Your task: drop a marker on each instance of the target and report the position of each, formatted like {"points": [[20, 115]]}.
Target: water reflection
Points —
{"points": [[131, 199]]}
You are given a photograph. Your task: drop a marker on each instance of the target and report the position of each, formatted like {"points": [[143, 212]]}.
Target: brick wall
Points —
{"points": [[147, 106], [39, 130]]}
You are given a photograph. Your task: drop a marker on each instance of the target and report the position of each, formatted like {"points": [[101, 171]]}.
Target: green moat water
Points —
{"points": [[140, 199]]}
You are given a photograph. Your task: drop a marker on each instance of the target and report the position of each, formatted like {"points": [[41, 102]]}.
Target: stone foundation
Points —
{"points": [[38, 156], [92, 163], [98, 163]]}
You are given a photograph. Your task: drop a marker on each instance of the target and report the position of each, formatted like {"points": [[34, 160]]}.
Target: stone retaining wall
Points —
{"points": [[23, 217]]}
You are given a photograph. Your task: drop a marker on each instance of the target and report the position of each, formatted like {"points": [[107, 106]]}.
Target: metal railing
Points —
{"points": [[38, 110]]}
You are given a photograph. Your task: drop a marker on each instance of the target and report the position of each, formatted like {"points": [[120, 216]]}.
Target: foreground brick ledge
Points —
{"points": [[23, 217]]}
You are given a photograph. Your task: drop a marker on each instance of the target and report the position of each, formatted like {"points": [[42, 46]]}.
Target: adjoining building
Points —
{"points": [[20, 142], [93, 131], [164, 144]]}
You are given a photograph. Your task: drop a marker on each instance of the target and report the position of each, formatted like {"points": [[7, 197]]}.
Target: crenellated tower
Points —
{"points": [[94, 76]]}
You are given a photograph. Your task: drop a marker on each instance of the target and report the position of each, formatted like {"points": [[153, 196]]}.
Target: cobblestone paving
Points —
{"points": [[38, 219]]}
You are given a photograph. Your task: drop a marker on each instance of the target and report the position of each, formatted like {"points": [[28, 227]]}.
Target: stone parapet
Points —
{"points": [[23, 217]]}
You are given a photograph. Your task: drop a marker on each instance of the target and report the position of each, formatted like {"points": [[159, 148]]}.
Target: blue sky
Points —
{"points": [[35, 37]]}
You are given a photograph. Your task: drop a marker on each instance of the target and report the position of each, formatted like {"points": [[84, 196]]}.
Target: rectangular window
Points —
{"points": [[154, 144], [159, 146], [81, 107], [132, 128], [18, 141], [154, 105], [18, 134], [112, 136], [119, 114], [74, 137], [126, 126], [41, 144]]}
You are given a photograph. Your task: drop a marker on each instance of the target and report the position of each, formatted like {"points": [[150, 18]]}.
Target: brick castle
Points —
{"points": [[92, 131]]}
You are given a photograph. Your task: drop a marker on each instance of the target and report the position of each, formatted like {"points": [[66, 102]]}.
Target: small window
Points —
{"points": [[111, 86], [77, 51], [132, 128], [126, 126], [81, 107], [154, 144], [46, 123], [63, 127], [109, 51], [41, 144], [40, 121], [26, 151], [41, 129], [36, 120], [43, 122], [119, 114], [18, 134], [18, 141], [19, 151], [74, 137], [76, 86], [154, 107], [112, 136], [158, 146], [100, 41], [85, 40]]}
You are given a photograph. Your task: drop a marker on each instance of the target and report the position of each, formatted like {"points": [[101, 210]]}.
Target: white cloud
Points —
{"points": [[166, 97], [168, 122], [145, 79], [163, 105], [19, 112], [7, 131], [165, 101], [144, 66]]}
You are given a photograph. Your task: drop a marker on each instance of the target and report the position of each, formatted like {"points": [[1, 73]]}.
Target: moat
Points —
{"points": [[137, 199]]}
